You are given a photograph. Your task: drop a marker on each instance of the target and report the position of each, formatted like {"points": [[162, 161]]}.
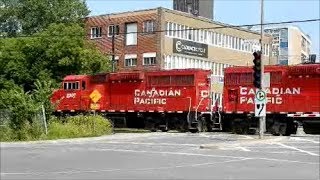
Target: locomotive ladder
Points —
{"points": [[217, 126]]}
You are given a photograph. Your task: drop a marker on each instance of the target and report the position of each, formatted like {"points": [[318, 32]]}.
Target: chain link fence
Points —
{"points": [[5, 116], [38, 117]]}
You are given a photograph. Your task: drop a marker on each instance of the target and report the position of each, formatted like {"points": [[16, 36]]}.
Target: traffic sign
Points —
{"points": [[260, 95], [260, 104], [260, 109]]}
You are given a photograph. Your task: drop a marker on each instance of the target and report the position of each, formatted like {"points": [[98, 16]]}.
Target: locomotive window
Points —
{"points": [[71, 85], [83, 85]]}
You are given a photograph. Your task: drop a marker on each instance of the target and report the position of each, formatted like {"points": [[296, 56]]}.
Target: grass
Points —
{"points": [[70, 127]]}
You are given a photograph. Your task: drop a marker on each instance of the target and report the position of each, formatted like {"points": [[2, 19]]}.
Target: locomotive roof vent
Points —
{"points": [[304, 69], [122, 76]]}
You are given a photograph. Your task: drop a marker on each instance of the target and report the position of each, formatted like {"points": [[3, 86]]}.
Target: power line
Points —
{"points": [[189, 29]]}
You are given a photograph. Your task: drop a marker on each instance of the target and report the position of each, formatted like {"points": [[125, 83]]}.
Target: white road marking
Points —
{"points": [[246, 137], [277, 147], [243, 148], [302, 139], [294, 148], [110, 170], [154, 144], [203, 155]]}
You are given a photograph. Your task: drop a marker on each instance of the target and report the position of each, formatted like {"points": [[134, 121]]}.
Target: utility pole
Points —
{"points": [[262, 119], [112, 44], [113, 56]]}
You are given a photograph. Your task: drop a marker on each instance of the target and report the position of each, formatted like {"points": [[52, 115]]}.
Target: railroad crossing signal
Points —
{"points": [[260, 104]]}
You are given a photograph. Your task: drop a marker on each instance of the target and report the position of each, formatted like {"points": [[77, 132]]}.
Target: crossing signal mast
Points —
{"points": [[258, 78]]}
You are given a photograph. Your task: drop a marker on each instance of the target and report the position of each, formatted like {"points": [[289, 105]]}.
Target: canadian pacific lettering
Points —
{"points": [[274, 95], [154, 96]]}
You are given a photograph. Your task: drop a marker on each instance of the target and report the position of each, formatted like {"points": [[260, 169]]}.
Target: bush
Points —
{"points": [[27, 132], [70, 127], [79, 126]]}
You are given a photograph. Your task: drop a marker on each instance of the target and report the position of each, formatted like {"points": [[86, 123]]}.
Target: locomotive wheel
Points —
{"points": [[308, 129], [282, 130], [195, 130], [150, 125], [240, 127], [200, 126]]}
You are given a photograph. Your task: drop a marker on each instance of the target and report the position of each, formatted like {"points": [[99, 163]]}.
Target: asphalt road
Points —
{"points": [[164, 156]]}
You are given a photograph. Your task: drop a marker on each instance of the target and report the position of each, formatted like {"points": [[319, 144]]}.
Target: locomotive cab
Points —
{"points": [[69, 96]]}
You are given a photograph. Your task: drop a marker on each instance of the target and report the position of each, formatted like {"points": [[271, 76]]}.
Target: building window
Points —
{"points": [[131, 34], [189, 32], [96, 32], [149, 59], [174, 32], [148, 26], [170, 29], [113, 29], [189, 8], [130, 62]]}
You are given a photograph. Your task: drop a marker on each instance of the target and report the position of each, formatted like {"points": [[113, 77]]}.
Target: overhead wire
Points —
{"points": [[177, 30]]}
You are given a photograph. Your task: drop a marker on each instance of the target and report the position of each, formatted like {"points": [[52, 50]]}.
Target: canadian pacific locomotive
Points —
{"points": [[169, 99], [292, 97]]}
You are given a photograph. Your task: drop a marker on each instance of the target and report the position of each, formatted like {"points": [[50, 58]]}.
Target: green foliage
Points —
{"points": [[50, 55], [69, 127], [27, 132], [31, 16], [20, 104], [79, 126], [32, 66]]}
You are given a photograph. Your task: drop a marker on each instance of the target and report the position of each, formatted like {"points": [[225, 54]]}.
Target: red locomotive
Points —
{"points": [[154, 99], [293, 96]]}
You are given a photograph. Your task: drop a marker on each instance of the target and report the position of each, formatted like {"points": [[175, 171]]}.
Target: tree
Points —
{"points": [[9, 24], [58, 51], [31, 66], [31, 16]]}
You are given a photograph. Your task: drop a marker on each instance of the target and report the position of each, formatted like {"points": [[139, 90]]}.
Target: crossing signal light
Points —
{"points": [[257, 69]]}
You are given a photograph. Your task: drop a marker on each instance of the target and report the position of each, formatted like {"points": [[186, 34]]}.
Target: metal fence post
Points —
{"points": [[44, 119]]}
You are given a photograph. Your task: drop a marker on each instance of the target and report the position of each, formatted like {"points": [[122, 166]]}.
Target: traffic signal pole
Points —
{"points": [[262, 119]]}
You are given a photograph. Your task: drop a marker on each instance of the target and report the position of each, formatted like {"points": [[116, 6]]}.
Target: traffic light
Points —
{"points": [[257, 69]]}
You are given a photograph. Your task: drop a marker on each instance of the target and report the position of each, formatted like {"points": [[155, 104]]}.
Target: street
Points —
{"points": [[164, 156]]}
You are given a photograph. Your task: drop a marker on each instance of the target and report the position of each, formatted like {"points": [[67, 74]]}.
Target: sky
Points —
{"points": [[235, 12]]}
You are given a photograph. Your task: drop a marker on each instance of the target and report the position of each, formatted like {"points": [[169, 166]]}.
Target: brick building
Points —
{"points": [[167, 39]]}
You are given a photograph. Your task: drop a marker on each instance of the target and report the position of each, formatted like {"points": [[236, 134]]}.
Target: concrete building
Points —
{"points": [[290, 45], [167, 39], [202, 8]]}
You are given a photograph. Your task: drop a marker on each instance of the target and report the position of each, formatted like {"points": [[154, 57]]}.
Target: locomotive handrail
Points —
{"points": [[196, 115], [188, 116]]}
